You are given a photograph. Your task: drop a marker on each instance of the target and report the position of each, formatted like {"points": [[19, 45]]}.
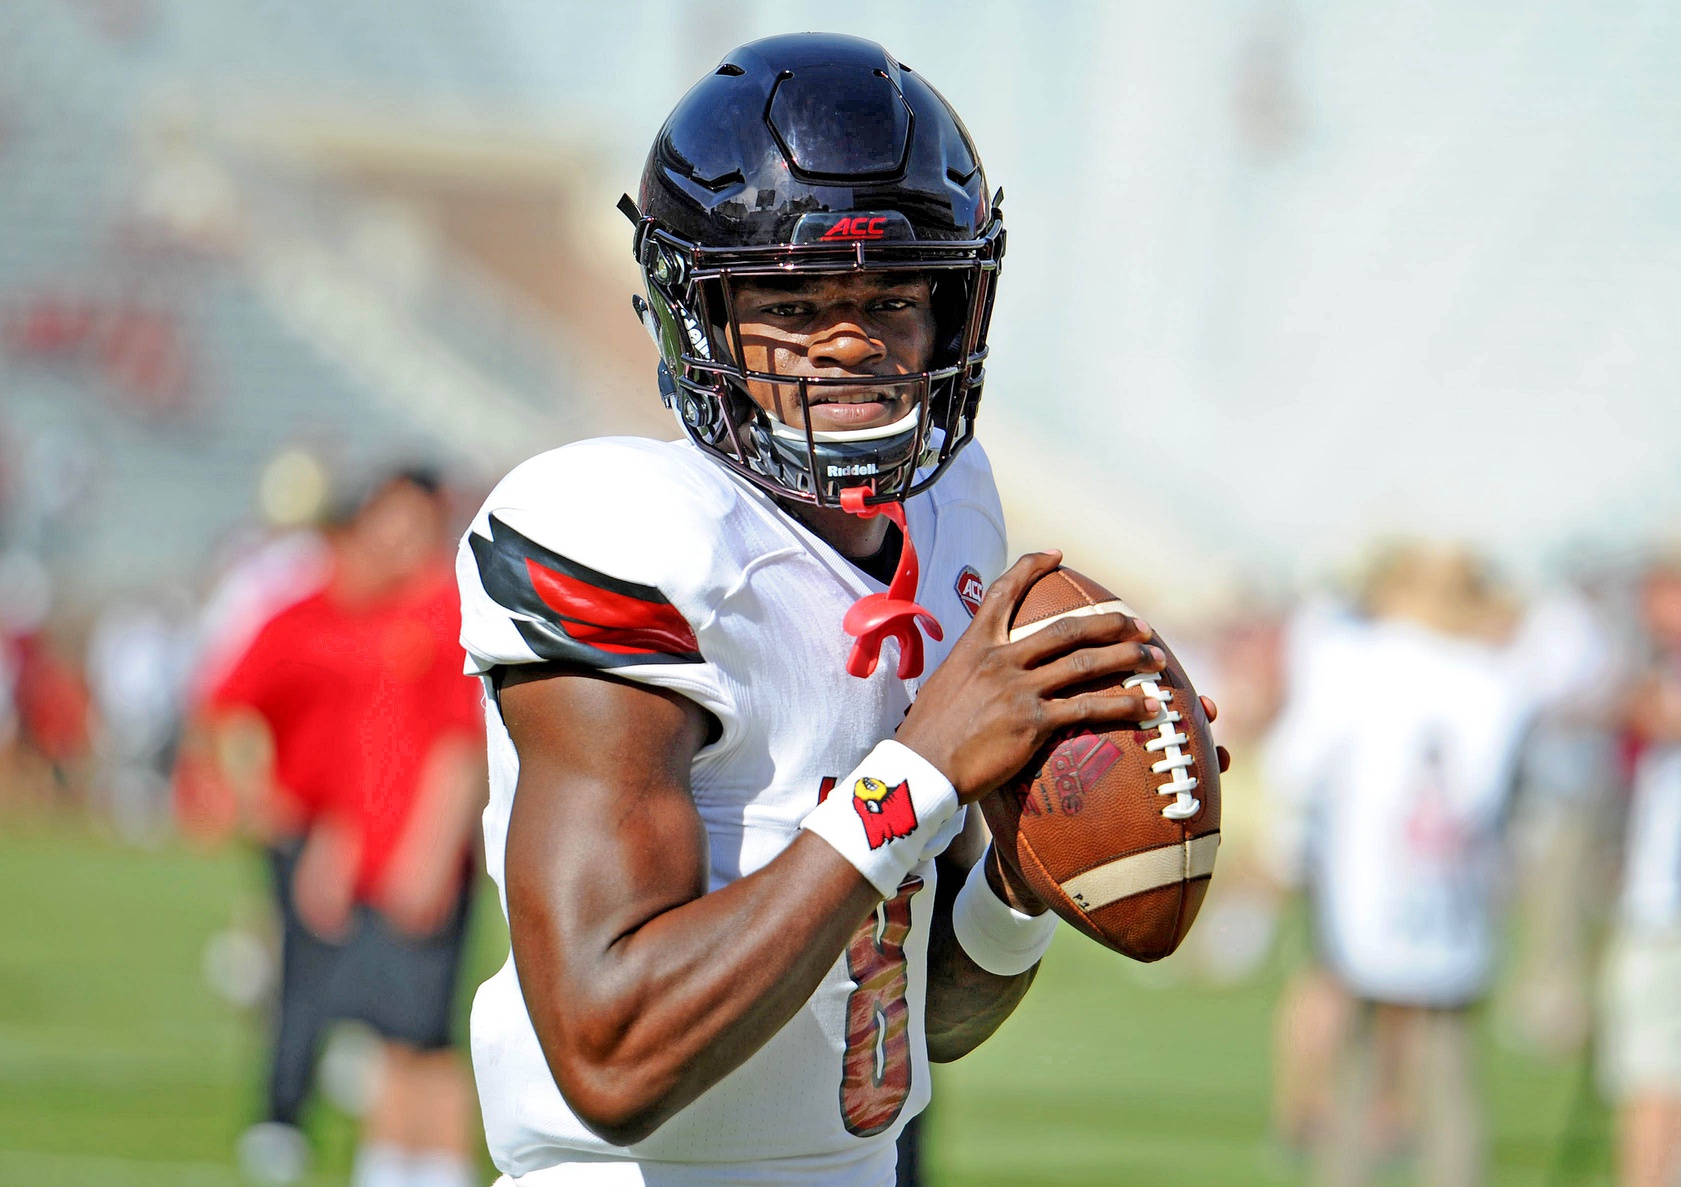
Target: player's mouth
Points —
{"points": [[852, 414], [853, 408]]}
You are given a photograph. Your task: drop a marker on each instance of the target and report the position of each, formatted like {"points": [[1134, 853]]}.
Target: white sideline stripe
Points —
{"points": [[1114, 606], [1138, 872]]}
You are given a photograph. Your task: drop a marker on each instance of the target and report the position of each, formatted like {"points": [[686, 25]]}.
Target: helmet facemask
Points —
{"points": [[691, 312]]}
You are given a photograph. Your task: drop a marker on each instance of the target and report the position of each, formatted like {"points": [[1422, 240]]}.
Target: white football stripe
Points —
{"points": [[1116, 606], [1138, 872]]}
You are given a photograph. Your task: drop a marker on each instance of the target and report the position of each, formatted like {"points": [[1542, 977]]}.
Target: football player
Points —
{"points": [[740, 687]]}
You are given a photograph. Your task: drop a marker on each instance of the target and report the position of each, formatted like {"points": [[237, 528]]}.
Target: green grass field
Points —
{"points": [[119, 1066]]}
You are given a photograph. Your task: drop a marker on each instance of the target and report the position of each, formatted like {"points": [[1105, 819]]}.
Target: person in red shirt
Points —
{"points": [[356, 746]]}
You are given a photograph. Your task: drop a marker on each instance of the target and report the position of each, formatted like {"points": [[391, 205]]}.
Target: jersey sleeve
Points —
{"points": [[600, 555]]}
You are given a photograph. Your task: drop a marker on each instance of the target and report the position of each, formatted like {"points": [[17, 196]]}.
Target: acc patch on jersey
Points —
{"points": [[574, 614], [887, 812], [970, 589]]}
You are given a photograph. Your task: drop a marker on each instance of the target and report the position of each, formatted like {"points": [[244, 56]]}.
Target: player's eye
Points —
{"points": [[892, 304], [786, 309]]}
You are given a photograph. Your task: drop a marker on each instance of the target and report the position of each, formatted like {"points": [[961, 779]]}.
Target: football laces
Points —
{"points": [[1169, 743]]}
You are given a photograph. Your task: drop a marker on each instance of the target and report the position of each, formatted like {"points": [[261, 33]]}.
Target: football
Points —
{"points": [[1116, 830]]}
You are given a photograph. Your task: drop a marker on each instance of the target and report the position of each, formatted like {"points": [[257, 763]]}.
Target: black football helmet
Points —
{"points": [[804, 154]]}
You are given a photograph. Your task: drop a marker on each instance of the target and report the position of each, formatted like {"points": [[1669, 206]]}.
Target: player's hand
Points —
{"points": [[992, 704], [420, 904], [1211, 711], [324, 880]]}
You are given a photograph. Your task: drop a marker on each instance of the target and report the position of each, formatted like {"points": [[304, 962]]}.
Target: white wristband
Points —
{"points": [[999, 938], [884, 816]]}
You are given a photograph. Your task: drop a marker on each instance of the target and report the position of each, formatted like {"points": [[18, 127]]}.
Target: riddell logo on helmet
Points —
{"points": [[862, 226]]}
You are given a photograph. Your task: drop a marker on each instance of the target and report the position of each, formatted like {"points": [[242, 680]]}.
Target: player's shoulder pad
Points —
{"points": [[609, 552]]}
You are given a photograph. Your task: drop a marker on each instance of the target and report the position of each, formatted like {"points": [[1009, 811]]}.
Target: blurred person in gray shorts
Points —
{"points": [[357, 741], [1571, 785]]}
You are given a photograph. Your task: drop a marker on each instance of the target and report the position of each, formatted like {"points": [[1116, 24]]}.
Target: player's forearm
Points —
{"points": [[653, 1017], [965, 1003]]}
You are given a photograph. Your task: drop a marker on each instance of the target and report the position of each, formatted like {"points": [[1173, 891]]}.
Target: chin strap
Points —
{"points": [[876, 617]]}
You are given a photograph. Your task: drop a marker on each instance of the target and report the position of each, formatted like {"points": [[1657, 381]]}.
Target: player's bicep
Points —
{"points": [[603, 834]]}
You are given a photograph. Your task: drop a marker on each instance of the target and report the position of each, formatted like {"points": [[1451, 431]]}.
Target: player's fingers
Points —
{"points": [[1209, 708], [1099, 708], [1094, 663], [1080, 630], [1005, 594], [1225, 758]]}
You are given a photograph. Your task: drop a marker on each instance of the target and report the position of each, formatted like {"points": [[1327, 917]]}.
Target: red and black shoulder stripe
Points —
{"points": [[574, 614]]}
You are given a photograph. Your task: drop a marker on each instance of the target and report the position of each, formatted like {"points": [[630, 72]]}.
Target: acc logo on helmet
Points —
{"points": [[860, 226]]}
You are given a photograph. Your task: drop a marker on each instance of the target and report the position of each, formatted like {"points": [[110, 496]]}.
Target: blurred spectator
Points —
{"points": [[136, 664], [1641, 1028], [1569, 775], [9, 757], [53, 714], [355, 746], [1396, 748], [1313, 1010], [47, 762], [287, 561]]}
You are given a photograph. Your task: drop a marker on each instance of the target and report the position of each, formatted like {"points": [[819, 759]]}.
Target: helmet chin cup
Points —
{"points": [[883, 458]]}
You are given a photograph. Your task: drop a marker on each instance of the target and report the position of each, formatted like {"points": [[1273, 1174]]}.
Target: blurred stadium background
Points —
{"points": [[1285, 281]]}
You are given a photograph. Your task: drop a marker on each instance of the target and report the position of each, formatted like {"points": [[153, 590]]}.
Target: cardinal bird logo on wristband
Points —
{"points": [[886, 811]]}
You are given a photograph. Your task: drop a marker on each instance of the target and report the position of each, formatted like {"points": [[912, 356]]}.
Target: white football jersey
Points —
{"points": [[653, 562]]}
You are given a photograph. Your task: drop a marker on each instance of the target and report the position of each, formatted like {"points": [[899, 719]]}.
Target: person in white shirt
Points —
{"points": [[1396, 748]]}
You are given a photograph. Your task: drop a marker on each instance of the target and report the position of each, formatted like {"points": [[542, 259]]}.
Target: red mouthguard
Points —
{"points": [[876, 617]]}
